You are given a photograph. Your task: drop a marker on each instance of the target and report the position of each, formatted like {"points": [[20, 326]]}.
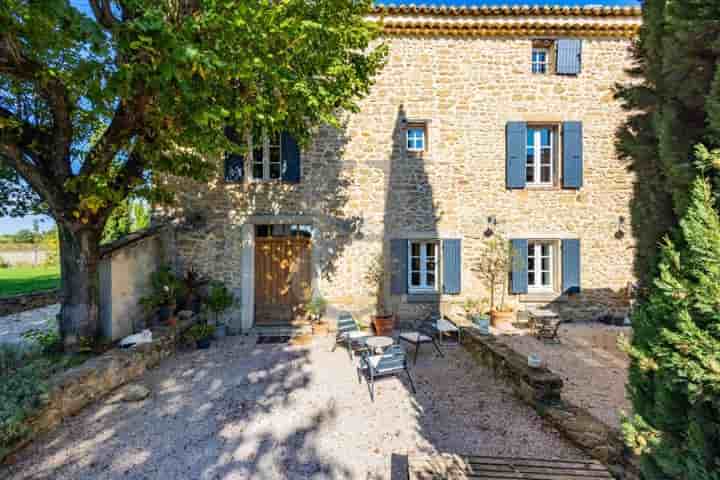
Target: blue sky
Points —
{"points": [[611, 3]]}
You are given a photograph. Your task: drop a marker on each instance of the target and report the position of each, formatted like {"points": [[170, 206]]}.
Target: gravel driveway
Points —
{"points": [[241, 410]]}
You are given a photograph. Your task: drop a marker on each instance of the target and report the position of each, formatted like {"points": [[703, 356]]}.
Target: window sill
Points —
{"points": [[542, 187], [423, 297], [542, 297]]}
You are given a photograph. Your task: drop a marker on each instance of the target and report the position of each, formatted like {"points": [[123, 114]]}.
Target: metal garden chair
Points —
{"points": [[391, 362], [425, 332], [349, 334]]}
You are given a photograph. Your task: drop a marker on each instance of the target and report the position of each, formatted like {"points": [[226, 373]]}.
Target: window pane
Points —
{"points": [[545, 279], [430, 249], [415, 264], [430, 266], [545, 264], [530, 137], [430, 279], [545, 156], [531, 263], [415, 249], [257, 170], [545, 137], [545, 174], [545, 249], [275, 170], [415, 279], [531, 278]]}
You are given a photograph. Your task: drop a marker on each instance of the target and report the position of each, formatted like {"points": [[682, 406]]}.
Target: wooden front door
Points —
{"points": [[283, 279]]}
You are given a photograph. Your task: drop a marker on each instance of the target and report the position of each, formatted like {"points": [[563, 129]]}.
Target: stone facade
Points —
{"points": [[360, 188]]}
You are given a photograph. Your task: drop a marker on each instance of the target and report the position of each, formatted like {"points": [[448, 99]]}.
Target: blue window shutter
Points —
{"points": [[398, 266], [519, 277], [569, 56], [572, 166], [452, 266], [515, 154], [234, 167], [571, 265], [291, 158]]}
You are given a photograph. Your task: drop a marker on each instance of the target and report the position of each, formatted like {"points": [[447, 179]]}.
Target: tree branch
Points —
{"points": [[103, 13], [52, 89]]}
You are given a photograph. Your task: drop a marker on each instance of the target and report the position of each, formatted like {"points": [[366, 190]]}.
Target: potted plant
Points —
{"points": [[165, 288], [476, 311], [218, 301], [200, 333], [315, 310], [495, 262], [192, 283], [377, 277]]}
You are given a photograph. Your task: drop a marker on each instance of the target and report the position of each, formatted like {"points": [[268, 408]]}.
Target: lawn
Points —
{"points": [[28, 279]]}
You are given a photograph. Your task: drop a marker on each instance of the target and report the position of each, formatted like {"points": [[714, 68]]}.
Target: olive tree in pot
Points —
{"points": [[219, 300], [496, 260], [378, 277]]}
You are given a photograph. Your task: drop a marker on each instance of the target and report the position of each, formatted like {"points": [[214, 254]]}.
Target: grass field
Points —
{"points": [[28, 279]]}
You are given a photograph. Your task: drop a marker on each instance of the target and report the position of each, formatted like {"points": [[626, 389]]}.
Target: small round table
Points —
{"points": [[379, 343]]}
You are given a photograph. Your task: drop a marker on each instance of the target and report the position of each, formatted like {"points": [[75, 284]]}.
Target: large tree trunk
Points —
{"points": [[79, 258]]}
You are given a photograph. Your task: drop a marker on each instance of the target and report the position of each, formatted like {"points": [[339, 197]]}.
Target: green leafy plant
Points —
{"points": [[165, 288], [199, 331], [316, 308], [219, 299], [475, 306], [48, 339], [377, 277]]}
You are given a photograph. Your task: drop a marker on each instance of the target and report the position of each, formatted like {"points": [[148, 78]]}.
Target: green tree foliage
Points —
{"points": [[119, 224], [675, 367], [97, 103], [673, 105]]}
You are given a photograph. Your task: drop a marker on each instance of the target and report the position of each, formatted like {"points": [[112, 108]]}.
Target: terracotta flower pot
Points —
{"points": [[384, 325], [502, 319]]}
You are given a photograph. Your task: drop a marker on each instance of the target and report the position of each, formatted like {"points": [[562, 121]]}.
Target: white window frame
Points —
{"points": [[423, 138], [424, 286], [537, 155], [266, 163], [535, 250], [543, 65]]}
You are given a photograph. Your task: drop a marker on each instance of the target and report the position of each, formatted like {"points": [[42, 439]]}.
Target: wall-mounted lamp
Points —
{"points": [[620, 233], [491, 223]]}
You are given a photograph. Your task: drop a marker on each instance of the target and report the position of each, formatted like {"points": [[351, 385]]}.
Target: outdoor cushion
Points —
{"points": [[446, 326], [415, 337]]}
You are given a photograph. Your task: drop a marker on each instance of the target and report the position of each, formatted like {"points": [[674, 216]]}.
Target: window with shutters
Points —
{"points": [[423, 260], [416, 139], [541, 265], [540, 155], [267, 158]]}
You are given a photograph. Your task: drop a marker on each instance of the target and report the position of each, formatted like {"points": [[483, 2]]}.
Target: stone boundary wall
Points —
{"points": [[28, 301], [74, 389], [542, 389]]}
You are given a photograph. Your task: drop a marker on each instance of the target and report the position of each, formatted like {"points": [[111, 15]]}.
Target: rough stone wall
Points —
{"points": [[361, 189], [28, 301]]}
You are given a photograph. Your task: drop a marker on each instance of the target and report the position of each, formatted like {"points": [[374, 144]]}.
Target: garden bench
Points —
{"points": [[456, 467]]}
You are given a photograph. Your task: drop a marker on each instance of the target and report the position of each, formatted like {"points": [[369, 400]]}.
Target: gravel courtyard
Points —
{"points": [[241, 410]]}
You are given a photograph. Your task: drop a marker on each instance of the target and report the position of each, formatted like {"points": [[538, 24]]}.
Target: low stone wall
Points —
{"points": [[29, 301], [542, 389], [74, 389]]}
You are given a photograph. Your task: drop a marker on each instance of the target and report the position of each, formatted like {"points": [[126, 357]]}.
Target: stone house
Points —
{"points": [[485, 121]]}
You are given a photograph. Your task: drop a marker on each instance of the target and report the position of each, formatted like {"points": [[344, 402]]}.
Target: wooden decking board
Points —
{"points": [[456, 467]]}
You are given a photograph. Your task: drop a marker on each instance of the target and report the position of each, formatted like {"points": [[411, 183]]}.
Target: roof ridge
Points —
{"points": [[498, 10]]}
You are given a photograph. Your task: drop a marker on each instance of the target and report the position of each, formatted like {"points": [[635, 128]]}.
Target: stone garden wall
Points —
{"points": [[360, 187], [28, 301], [74, 389], [542, 389]]}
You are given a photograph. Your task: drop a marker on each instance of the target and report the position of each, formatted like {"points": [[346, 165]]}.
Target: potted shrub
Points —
{"points": [[377, 277], [476, 312], [495, 262], [200, 333], [165, 288], [315, 309], [193, 284], [218, 301]]}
